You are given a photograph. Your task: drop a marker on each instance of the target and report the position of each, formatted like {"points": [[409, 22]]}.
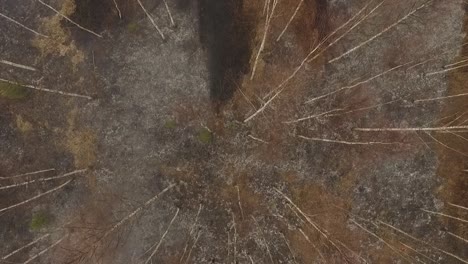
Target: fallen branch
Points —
{"points": [[445, 215], [280, 88], [264, 240], [423, 242], [162, 238], [47, 90], [69, 19], [312, 223], [27, 174], [17, 65], [136, 211], [193, 246], [459, 206], [346, 142], [23, 26], [25, 246], [312, 116], [440, 98], [42, 180], [410, 129], [265, 34], [352, 251], [457, 236], [290, 19], [447, 70], [239, 202], [313, 245], [192, 229], [44, 251], [151, 19], [417, 252], [357, 84], [169, 13], [380, 33], [445, 145], [258, 139], [35, 197], [379, 238], [118, 9]]}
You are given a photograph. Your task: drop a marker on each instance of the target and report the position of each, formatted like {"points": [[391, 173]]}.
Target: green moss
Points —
{"points": [[13, 91], [38, 221], [170, 124], [133, 27], [205, 136]]}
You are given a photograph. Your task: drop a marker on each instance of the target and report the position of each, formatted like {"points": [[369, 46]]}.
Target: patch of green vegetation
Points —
{"points": [[13, 91], [38, 221], [170, 124], [133, 27], [205, 136]]}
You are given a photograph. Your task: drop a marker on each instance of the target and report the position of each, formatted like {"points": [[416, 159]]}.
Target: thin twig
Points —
{"points": [[17, 65], [169, 13], [291, 19], [312, 223], [379, 238], [417, 252], [162, 238], [151, 19], [258, 139], [348, 87], [457, 236], [459, 206], [35, 197], [25, 246], [350, 250], [423, 242], [360, 45], [23, 26], [312, 116], [235, 237], [239, 201], [42, 180], [445, 145], [69, 19], [264, 240], [265, 34], [313, 245], [280, 88], [192, 229], [347, 142], [26, 174], [409, 129], [447, 70], [445, 215], [136, 211], [441, 98], [44, 251], [46, 90], [193, 246], [118, 9]]}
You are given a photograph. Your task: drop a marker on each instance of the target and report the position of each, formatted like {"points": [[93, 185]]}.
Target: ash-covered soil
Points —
{"points": [[312, 131]]}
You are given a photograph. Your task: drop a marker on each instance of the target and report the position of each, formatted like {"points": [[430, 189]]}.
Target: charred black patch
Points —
{"points": [[94, 15], [225, 32]]}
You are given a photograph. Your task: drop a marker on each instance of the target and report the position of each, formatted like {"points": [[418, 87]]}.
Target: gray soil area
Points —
{"points": [[233, 131]]}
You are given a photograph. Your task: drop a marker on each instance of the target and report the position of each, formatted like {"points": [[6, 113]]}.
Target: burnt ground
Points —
{"points": [[176, 112]]}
